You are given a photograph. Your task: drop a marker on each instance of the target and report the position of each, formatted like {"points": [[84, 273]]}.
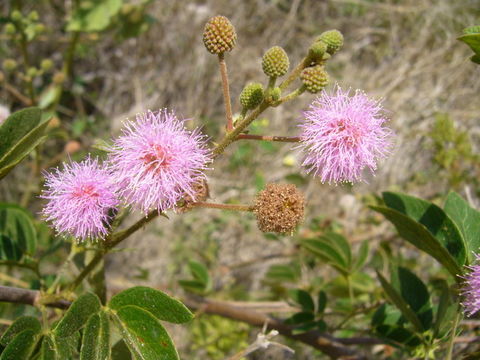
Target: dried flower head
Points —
{"points": [[342, 135], [471, 289], [279, 208], [202, 193], [219, 35], [80, 199], [156, 161]]}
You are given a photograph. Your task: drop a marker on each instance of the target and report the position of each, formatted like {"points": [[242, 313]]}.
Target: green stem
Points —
{"points": [[26, 61], [452, 336], [73, 251], [110, 243], [350, 289], [291, 96], [295, 72]]}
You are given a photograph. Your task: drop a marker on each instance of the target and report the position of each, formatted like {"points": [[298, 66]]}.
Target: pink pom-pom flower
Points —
{"points": [[156, 161], [342, 135], [80, 199], [471, 289]]}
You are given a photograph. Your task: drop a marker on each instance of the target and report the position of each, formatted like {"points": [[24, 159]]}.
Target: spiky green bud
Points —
{"points": [[275, 62], [273, 95], [9, 64], [46, 64], [32, 72], [251, 95], [314, 78], [33, 16], [317, 50], [16, 15], [9, 29], [219, 35], [39, 28], [333, 39]]}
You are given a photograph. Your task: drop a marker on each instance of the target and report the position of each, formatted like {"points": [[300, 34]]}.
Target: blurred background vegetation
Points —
{"points": [[113, 59]]}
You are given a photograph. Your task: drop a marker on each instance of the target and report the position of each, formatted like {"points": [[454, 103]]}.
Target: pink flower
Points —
{"points": [[156, 161], [80, 199], [471, 289], [342, 135]]}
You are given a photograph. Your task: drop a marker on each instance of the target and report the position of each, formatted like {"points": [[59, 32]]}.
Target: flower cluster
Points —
{"points": [[153, 165], [342, 135], [471, 289]]}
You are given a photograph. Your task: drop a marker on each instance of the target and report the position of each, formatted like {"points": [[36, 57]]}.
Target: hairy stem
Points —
{"points": [[268, 138], [226, 91], [295, 72], [232, 207]]}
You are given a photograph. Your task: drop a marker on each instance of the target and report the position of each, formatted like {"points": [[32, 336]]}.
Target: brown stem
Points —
{"points": [[12, 90], [28, 297], [268, 138], [232, 207], [226, 91]]}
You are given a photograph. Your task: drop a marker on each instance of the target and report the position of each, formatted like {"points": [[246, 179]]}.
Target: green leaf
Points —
{"points": [[21, 324], [467, 220], [144, 335], [473, 41], [17, 224], [77, 315], [341, 244], [21, 346], [419, 236], [362, 256], [287, 273], [47, 350], [321, 302], [20, 134], [96, 17], [303, 298], [398, 334], [415, 294], [120, 351], [300, 318], [200, 273], [193, 286], [327, 253], [476, 59], [9, 250], [444, 303], [472, 29], [67, 347], [96, 338], [433, 218], [400, 303], [159, 304]]}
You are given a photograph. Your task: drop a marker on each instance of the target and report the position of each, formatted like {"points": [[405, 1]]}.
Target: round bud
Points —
{"points": [[275, 62], [9, 29], [279, 208], [9, 64], [317, 50], [58, 78], [32, 72], [333, 39], [219, 35], [46, 64], [33, 16], [126, 9], [314, 78], [251, 95], [72, 147], [16, 15]]}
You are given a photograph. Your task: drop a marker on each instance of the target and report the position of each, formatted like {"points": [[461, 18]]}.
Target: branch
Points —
{"points": [[29, 297]]}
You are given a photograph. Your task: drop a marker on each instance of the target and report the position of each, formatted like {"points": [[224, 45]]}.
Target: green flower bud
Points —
{"points": [[333, 39], [275, 62], [314, 78], [32, 72], [251, 95], [317, 50], [9, 29], [273, 95], [33, 16], [46, 64], [126, 9], [16, 15], [219, 35], [9, 64], [39, 28]]}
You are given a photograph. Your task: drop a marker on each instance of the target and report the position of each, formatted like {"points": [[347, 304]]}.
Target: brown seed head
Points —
{"points": [[219, 35], [201, 194], [279, 208]]}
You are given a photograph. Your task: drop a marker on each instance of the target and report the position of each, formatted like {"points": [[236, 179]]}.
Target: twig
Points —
{"points": [[268, 138], [233, 207], [226, 91]]}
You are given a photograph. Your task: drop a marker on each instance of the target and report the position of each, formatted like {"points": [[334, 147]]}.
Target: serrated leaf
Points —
{"points": [[96, 338], [21, 346], [77, 315], [327, 253], [303, 298], [467, 220], [419, 236], [400, 303], [96, 18], [21, 324], [415, 294], [20, 134], [144, 335], [433, 218], [159, 304], [17, 224]]}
